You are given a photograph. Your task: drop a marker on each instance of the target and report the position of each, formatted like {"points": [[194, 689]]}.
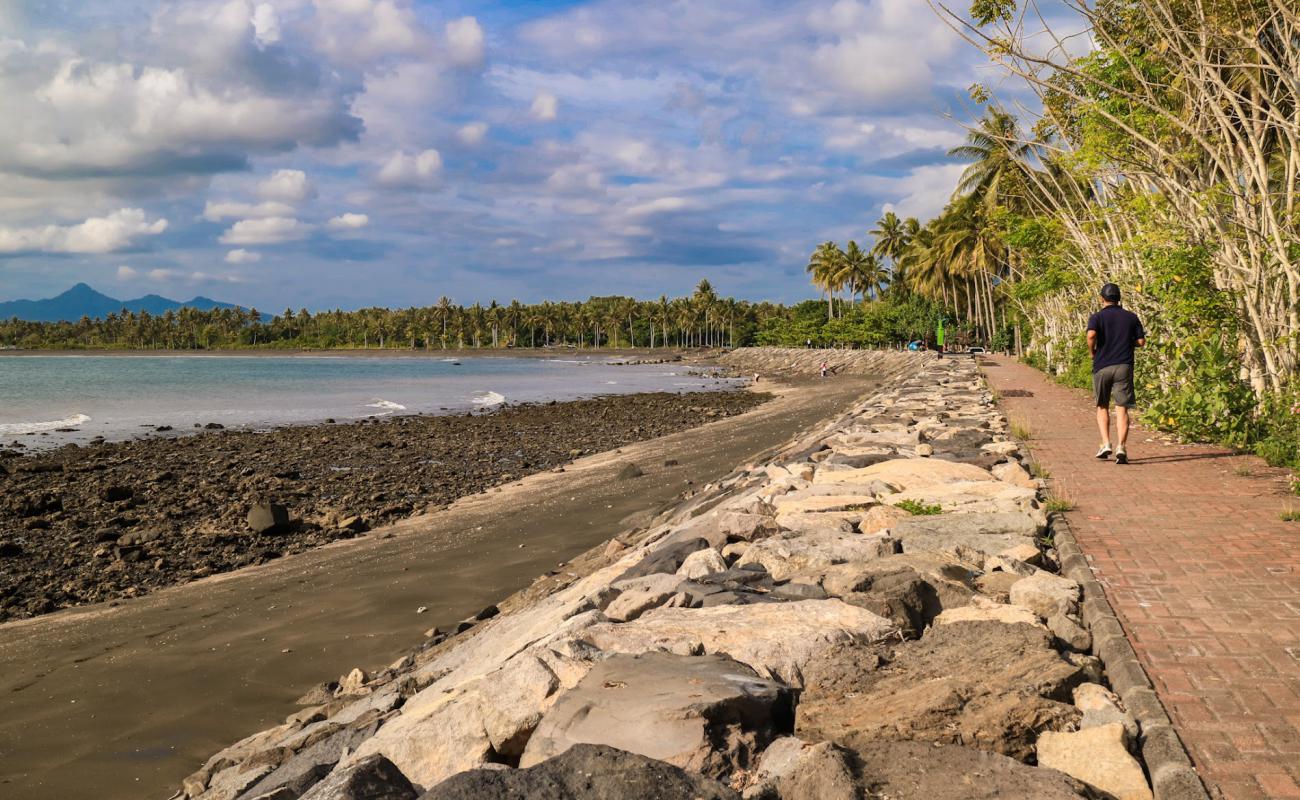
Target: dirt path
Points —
{"points": [[1204, 574], [128, 699]]}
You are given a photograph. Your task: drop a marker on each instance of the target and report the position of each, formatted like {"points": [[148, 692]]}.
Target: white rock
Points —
{"points": [[701, 563], [909, 473], [1011, 472], [1098, 757], [1046, 594], [787, 554], [982, 609]]}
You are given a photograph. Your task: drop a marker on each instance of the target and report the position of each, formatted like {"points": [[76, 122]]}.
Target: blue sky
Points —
{"points": [[346, 153]]}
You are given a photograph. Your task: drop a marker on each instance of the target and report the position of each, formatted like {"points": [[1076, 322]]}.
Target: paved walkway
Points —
{"points": [[1204, 574]]}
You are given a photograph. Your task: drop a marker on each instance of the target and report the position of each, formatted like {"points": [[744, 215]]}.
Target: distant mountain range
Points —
{"points": [[83, 301]]}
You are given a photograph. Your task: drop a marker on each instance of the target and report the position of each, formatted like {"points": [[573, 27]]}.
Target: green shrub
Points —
{"points": [[918, 509]]}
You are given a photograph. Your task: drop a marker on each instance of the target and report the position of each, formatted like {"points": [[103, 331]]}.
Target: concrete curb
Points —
{"points": [[1172, 775]]}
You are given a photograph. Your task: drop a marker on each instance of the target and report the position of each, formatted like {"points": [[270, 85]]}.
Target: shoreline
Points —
{"points": [[165, 509], [138, 725], [374, 352]]}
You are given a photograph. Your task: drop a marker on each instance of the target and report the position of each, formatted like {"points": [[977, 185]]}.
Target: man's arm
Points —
{"points": [[1092, 343], [1141, 335]]}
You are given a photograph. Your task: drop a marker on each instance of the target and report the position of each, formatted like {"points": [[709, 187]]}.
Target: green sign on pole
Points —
{"points": [[939, 333]]}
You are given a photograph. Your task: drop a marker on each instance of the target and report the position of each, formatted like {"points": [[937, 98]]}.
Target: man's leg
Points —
{"points": [[1103, 424], [1121, 425]]}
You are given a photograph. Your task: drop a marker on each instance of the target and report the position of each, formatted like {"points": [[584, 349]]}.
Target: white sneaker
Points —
{"points": [[1104, 452], [1121, 457]]}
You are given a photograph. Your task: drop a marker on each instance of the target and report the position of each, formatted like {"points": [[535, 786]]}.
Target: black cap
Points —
{"points": [[1110, 292]]}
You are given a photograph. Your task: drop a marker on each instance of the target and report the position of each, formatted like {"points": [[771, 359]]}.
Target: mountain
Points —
{"points": [[83, 301]]}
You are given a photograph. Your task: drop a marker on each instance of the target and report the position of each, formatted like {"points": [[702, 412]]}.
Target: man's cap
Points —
{"points": [[1110, 292]]}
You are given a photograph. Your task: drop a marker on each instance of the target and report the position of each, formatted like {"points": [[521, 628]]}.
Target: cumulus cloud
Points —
{"points": [[125, 273], [117, 231], [473, 134], [285, 185], [358, 31], [272, 230], [407, 169], [464, 38], [266, 24], [545, 108], [242, 256], [217, 211], [349, 222]]}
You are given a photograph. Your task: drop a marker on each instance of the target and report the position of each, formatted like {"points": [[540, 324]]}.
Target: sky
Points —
{"points": [[349, 153]]}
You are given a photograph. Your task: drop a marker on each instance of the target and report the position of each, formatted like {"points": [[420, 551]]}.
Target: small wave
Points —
{"points": [[379, 402], [489, 399], [36, 427], [611, 383]]}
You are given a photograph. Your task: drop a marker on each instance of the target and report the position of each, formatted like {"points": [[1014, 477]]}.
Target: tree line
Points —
{"points": [[703, 319]]}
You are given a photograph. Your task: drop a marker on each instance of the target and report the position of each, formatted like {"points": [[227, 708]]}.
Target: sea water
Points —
{"points": [[119, 396]]}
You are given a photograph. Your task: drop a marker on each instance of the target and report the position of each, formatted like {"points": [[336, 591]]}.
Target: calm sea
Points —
{"points": [[120, 396]]}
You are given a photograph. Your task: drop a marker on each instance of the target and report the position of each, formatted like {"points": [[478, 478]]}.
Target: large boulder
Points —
{"points": [[971, 497], [925, 771], [989, 533], [777, 639], [707, 714], [666, 556], [583, 772], [1047, 594], [980, 684], [908, 473], [789, 554], [373, 778], [638, 595], [1098, 757]]}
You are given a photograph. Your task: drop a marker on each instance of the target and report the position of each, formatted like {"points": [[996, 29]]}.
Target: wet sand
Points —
{"points": [[124, 701]]}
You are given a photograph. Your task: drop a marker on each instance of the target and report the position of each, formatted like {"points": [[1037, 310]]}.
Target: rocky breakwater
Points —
{"points": [[793, 362], [874, 613]]}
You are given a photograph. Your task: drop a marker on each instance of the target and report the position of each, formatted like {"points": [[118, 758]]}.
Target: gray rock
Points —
{"points": [[583, 772], [707, 714], [373, 778], [664, 558], [987, 532], [924, 771], [309, 766], [629, 471]]}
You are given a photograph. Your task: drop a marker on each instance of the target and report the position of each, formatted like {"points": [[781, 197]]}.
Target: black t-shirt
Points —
{"points": [[1118, 330]]}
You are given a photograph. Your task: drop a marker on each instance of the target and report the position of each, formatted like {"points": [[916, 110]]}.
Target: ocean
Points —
{"points": [[48, 400]]}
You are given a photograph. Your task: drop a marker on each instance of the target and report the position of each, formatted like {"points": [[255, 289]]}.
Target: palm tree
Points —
{"points": [[824, 265], [997, 153], [892, 237]]}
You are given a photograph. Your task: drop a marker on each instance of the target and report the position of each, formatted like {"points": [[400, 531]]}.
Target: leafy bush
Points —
{"points": [[919, 509]]}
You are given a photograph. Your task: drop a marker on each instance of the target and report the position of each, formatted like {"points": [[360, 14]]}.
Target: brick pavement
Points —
{"points": [[1203, 573]]}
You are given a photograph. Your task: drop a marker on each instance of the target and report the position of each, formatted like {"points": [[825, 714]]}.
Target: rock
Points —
{"points": [[707, 714], [354, 683], [746, 527], [982, 610], [629, 471], [981, 684], [777, 639], [115, 494], [1024, 553], [986, 532], [664, 558], [788, 554], [826, 522], [969, 497], [925, 771], [1070, 633], [1098, 757], [795, 504], [879, 519], [354, 523], [1101, 707], [1014, 474], [214, 426], [266, 517], [701, 563], [1047, 594], [734, 551], [312, 763], [512, 711], [925, 450], [10, 549], [794, 770], [1001, 448], [584, 772], [908, 473], [318, 695], [639, 595], [373, 778]]}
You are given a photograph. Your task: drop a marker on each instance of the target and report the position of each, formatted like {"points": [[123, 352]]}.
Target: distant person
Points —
{"points": [[808, 344], [1113, 333], [825, 366]]}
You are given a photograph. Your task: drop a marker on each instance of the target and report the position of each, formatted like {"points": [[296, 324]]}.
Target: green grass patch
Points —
{"points": [[918, 509], [1037, 470], [1021, 431], [1290, 515], [1058, 505]]}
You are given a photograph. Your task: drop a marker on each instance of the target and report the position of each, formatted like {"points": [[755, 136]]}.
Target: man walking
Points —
{"points": [[1113, 333]]}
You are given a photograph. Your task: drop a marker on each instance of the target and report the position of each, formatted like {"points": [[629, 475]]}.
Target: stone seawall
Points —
{"points": [[789, 361], [873, 613]]}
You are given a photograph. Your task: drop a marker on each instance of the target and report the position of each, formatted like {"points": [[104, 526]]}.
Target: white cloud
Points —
{"points": [[926, 190], [125, 273], [287, 185], [271, 230], [162, 275], [349, 222], [546, 107], [357, 31], [662, 205], [403, 169], [473, 134], [464, 39], [242, 256], [116, 231], [217, 211], [266, 24]]}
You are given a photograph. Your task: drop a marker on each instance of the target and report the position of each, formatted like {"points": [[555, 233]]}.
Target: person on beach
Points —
{"points": [[824, 368], [1113, 333]]}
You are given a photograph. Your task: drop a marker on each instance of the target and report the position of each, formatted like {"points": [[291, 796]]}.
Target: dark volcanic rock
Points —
{"points": [[374, 778], [584, 772]]}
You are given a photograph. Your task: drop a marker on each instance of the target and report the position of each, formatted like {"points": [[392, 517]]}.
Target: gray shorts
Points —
{"points": [[1114, 382]]}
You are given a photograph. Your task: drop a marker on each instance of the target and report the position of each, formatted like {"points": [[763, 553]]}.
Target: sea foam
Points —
{"points": [[379, 402], [11, 428], [489, 399]]}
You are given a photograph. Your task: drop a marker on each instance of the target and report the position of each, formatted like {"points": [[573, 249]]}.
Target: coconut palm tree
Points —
{"points": [[824, 266]]}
